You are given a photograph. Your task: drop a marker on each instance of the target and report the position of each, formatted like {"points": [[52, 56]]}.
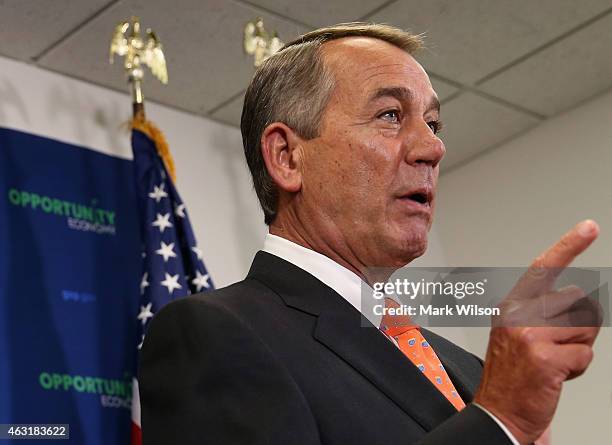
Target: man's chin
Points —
{"points": [[405, 249]]}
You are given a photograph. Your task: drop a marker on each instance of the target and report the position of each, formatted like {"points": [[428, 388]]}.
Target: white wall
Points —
{"points": [[505, 207], [212, 177]]}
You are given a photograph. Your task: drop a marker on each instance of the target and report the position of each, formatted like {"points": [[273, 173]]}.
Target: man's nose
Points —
{"points": [[425, 148]]}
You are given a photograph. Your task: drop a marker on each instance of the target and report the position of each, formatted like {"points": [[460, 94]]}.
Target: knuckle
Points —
{"points": [[578, 292], [537, 269], [573, 291], [542, 356], [586, 356], [565, 243], [526, 335], [510, 313], [538, 261]]}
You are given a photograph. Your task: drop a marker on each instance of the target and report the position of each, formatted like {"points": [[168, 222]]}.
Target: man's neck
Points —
{"points": [[337, 251]]}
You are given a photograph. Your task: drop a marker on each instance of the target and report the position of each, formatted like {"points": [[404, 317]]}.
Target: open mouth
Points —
{"points": [[421, 198]]}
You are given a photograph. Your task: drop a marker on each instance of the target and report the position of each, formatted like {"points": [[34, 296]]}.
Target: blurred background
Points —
{"points": [[526, 100]]}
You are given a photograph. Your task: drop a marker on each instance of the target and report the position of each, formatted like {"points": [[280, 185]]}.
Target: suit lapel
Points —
{"points": [[339, 327], [384, 365]]}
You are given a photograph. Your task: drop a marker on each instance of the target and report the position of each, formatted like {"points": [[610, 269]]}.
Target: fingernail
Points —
{"points": [[586, 228]]}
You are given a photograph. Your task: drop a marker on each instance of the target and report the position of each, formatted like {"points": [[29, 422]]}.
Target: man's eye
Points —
{"points": [[390, 116], [436, 126]]}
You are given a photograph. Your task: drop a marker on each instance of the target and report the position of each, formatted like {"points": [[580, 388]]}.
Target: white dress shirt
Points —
{"points": [[345, 282]]}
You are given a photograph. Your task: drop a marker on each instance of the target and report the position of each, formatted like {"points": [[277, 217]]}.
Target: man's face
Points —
{"points": [[372, 173]]}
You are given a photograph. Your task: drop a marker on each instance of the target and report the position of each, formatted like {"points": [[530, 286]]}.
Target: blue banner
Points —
{"points": [[70, 260]]}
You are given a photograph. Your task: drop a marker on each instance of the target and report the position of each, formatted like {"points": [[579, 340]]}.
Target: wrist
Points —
{"points": [[520, 432]]}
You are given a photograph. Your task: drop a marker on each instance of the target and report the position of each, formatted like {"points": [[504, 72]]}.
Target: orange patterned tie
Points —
{"points": [[414, 346]]}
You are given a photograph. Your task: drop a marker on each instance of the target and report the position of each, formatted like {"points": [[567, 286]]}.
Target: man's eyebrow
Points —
{"points": [[400, 93], [403, 94], [434, 104]]}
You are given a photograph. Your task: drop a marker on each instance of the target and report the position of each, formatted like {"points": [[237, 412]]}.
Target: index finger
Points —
{"points": [[545, 269], [569, 246]]}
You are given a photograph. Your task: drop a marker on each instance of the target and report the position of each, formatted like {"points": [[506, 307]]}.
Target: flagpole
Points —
{"points": [[138, 111], [140, 50]]}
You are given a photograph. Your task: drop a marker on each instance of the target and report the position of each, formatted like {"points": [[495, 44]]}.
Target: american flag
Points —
{"points": [[172, 261]]}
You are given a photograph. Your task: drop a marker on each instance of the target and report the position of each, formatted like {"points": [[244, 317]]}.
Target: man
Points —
{"points": [[339, 131]]}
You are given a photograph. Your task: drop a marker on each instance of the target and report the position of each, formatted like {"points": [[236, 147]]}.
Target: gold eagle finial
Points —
{"points": [[258, 43], [138, 50]]}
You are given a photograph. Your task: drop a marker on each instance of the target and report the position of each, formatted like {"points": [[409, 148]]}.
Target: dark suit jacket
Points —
{"points": [[280, 358]]}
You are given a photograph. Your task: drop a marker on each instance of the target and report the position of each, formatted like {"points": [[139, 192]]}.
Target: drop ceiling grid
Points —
{"points": [[206, 64], [27, 29], [513, 45]]}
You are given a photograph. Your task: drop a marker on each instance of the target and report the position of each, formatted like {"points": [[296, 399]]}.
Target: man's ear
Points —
{"points": [[282, 153]]}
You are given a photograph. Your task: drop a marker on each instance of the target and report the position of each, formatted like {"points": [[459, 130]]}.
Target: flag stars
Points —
{"points": [[166, 251], [145, 313], [162, 222], [144, 283], [171, 282], [179, 210], [158, 193], [198, 252], [200, 281]]}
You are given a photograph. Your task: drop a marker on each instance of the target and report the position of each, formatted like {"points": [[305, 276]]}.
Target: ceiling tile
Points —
{"points": [[470, 39], [443, 89], [230, 113], [557, 78], [27, 27], [202, 42], [319, 13], [473, 124]]}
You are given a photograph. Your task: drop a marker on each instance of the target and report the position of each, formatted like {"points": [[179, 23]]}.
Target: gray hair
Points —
{"points": [[293, 87]]}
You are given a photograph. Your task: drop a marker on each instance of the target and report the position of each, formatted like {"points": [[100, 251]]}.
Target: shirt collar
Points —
{"points": [[345, 282]]}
